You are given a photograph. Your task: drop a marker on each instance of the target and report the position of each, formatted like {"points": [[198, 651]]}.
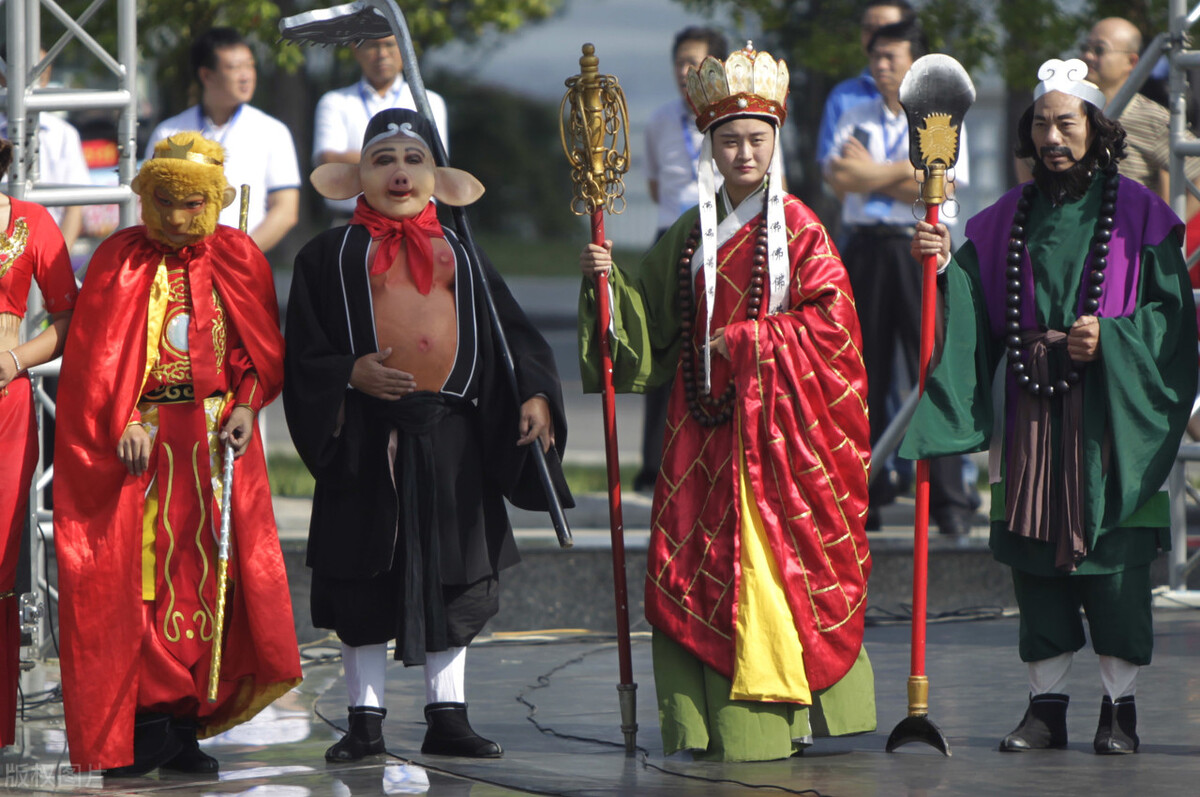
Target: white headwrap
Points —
{"points": [[1069, 77]]}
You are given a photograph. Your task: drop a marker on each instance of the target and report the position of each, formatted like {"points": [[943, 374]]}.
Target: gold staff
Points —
{"points": [[595, 137], [214, 671]]}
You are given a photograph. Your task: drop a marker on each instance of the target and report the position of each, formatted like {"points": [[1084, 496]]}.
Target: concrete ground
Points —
{"points": [[550, 700], [549, 697]]}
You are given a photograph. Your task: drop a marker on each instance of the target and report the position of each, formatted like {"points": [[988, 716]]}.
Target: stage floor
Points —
{"points": [[550, 699]]}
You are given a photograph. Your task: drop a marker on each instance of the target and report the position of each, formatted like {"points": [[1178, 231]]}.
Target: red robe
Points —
{"points": [[98, 505], [801, 405]]}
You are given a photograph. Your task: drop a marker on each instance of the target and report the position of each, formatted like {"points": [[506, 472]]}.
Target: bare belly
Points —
{"points": [[421, 331], [10, 325]]}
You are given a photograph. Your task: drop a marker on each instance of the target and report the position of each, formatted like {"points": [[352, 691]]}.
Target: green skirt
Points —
{"points": [[695, 712]]}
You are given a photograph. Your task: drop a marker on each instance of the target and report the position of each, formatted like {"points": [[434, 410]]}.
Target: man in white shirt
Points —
{"points": [[868, 168], [342, 114], [258, 147], [672, 140]]}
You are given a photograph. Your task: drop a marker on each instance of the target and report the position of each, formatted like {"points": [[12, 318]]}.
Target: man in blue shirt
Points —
{"points": [[861, 87]]}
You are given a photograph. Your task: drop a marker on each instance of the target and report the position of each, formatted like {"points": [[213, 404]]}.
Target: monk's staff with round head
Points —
{"points": [[595, 132], [935, 94], [225, 539]]}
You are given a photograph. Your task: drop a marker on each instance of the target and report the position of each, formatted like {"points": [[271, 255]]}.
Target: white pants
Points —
{"points": [[366, 674]]}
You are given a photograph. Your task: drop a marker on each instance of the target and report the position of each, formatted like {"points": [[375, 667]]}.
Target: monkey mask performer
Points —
{"points": [[175, 349], [398, 403]]}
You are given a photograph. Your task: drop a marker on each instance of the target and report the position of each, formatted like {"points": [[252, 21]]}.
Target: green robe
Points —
{"points": [[1137, 395]]}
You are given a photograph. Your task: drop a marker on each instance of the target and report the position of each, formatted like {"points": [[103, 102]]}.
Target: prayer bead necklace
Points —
{"points": [[1093, 279], [706, 410]]}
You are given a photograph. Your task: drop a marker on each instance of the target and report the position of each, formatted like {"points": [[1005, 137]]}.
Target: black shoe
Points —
{"points": [[364, 738], [154, 744], [1116, 734], [1043, 727], [450, 733], [191, 759], [873, 521]]}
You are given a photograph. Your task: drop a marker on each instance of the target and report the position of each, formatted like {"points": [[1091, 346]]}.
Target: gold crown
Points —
{"points": [[748, 82], [183, 151]]}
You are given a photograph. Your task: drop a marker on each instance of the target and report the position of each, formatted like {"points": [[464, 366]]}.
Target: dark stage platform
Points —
{"points": [[550, 699]]}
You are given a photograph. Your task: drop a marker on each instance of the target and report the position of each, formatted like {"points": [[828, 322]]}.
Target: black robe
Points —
{"points": [[330, 324]]}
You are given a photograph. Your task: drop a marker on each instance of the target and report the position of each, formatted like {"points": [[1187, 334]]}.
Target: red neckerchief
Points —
{"points": [[416, 234]]}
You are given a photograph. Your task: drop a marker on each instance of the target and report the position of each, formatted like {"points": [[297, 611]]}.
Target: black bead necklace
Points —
{"points": [[704, 408], [1093, 279]]}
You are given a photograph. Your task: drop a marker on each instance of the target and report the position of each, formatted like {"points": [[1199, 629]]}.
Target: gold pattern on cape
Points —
{"points": [[937, 139], [171, 394], [172, 616], [171, 613], [220, 338], [13, 246], [204, 615]]}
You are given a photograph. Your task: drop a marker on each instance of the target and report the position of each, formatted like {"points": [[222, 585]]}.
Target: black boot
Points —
{"points": [[1043, 727], [191, 759], [449, 733], [1117, 732], [365, 736], [154, 744]]}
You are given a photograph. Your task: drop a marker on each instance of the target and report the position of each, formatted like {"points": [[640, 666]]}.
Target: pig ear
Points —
{"points": [[456, 187], [336, 180]]}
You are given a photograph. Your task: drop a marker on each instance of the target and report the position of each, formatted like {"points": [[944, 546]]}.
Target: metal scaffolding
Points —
{"points": [[23, 100]]}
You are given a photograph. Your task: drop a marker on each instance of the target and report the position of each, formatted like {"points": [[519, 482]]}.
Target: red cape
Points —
{"points": [[98, 505], [801, 406]]}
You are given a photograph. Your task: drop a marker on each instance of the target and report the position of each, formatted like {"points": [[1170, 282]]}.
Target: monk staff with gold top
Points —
{"points": [[223, 546], [595, 133], [936, 94]]}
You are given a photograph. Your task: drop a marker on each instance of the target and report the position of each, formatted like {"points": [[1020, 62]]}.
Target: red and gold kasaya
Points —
{"points": [[800, 409]]}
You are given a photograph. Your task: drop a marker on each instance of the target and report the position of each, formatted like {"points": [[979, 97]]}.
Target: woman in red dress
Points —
{"points": [[31, 247]]}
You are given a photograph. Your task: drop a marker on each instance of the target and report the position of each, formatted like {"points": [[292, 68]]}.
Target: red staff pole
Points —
{"points": [[612, 460], [935, 94], [917, 726], [929, 266], [594, 133]]}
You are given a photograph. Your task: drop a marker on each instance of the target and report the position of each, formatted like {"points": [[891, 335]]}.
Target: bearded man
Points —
{"points": [[174, 350], [1072, 291]]}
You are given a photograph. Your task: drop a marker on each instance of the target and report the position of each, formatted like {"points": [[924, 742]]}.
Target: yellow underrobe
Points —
{"points": [[768, 657]]}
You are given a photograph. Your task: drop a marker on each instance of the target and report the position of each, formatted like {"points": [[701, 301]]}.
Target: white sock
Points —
{"points": [[1118, 676], [1050, 675], [366, 667], [445, 671]]}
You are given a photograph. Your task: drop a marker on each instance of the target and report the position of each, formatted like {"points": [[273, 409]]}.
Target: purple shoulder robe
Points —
{"points": [[1141, 219]]}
